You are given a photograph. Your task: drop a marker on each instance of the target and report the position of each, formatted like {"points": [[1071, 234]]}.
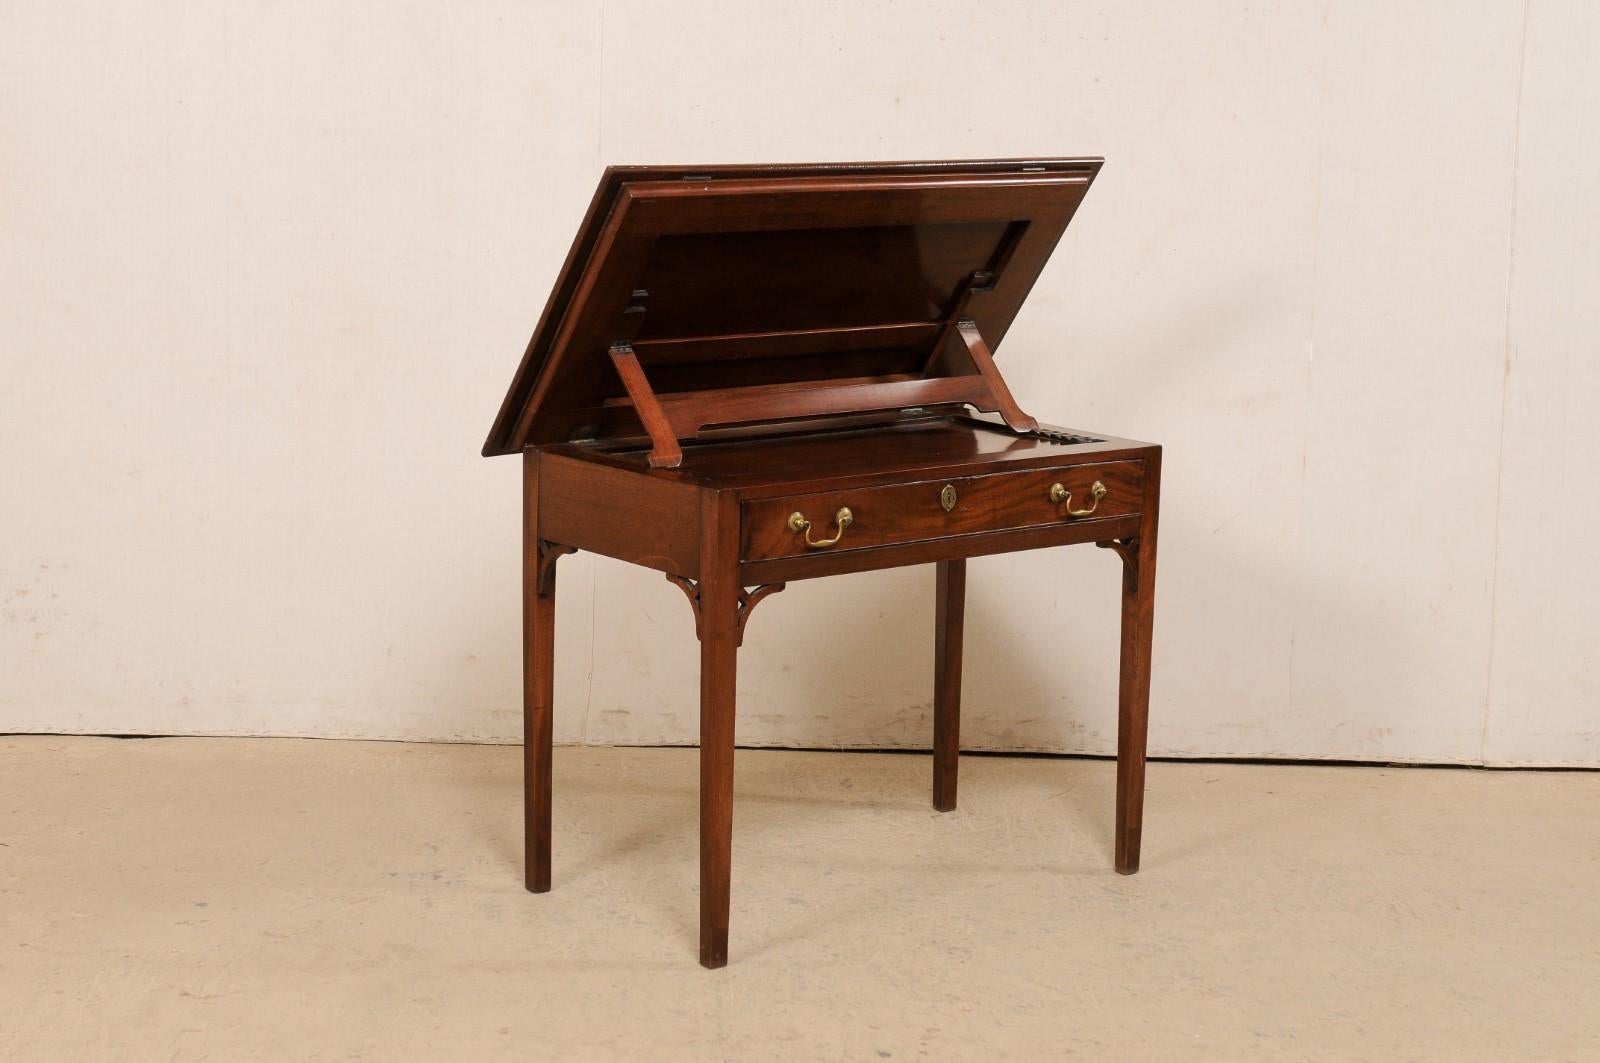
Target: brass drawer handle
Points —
{"points": [[1059, 494], [798, 523]]}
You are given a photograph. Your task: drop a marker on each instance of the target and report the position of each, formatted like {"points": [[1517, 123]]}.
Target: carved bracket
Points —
{"points": [[747, 603], [1128, 550], [549, 553], [691, 590], [1010, 412]]}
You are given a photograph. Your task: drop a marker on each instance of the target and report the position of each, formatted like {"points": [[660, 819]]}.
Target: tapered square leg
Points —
{"points": [[719, 609], [949, 607], [537, 729], [717, 685], [538, 681], [1133, 697]]}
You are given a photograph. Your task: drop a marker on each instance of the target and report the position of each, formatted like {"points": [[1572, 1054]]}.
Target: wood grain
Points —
{"points": [[1133, 697], [948, 627], [538, 679], [719, 647], [646, 520], [912, 511]]}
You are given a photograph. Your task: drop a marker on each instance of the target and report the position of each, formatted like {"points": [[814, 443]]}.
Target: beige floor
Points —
{"points": [[233, 899]]}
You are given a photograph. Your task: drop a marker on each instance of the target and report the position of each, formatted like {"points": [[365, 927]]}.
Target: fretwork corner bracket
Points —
{"points": [[748, 600], [1128, 550], [545, 576]]}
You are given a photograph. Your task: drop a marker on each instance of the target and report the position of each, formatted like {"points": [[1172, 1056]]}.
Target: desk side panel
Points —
{"points": [[632, 516]]}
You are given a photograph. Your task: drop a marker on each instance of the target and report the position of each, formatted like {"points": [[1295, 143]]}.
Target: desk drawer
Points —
{"points": [[934, 509]]}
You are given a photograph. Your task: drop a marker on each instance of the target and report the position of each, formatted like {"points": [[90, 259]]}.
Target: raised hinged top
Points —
{"points": [[699, 301]]}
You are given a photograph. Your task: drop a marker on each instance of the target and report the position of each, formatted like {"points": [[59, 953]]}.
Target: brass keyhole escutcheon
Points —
{"points": [[1059, 494], [947, 497]]}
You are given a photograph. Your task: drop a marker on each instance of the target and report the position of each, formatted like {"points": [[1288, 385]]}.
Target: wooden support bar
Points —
{"points": [[673, 416], [689, 412], [664, 451], [785, 343], [1009, 411]]}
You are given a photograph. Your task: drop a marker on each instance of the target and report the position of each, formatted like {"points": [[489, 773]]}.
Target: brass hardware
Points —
{"points": [[798, 523], [947, 497], [1059, 494]]}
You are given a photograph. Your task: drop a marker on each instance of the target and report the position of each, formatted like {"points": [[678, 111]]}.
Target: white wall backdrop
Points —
{"points": [[265, 271]]}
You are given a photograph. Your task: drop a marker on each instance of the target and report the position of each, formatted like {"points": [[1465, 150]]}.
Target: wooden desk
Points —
{"points": [[766, 374]]}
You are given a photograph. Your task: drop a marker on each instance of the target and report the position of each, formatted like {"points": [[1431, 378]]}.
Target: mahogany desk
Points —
{"points": [[751, 375]]}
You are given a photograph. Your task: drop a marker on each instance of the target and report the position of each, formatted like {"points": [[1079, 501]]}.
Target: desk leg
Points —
{"points": [[949, 609], [719, 612], [538, 681], [1133, 699]]}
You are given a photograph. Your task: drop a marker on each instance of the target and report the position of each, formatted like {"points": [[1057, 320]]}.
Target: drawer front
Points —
{"points": [[933, 509]]}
